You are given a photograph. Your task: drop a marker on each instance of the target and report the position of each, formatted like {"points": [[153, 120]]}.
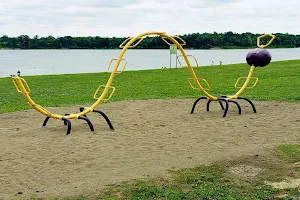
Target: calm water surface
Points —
{"points": [[41, 62]]}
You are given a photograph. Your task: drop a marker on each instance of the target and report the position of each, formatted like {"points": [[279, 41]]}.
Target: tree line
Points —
{"points": [[193, 41]]}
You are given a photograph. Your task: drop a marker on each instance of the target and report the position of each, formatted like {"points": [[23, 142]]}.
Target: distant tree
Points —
{"points": [[24, 41], [297, 40], [193, 41], [34, 43]]}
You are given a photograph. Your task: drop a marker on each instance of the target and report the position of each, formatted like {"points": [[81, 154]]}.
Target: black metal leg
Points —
{"points": [[237, 104], [64, 121], [226, 106], [207, 105], [82, 109], [68, 123], [46, 121], [88, 121], [195, 103], [250, 102], [105, 117], [221, 105], [221, 102]]}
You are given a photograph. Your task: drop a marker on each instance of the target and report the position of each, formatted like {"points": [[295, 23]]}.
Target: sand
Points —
{"points": [[150, 137]]}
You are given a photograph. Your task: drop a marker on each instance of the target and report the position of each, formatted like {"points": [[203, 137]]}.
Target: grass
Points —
{"points": [[207, 182], [278, 81], [289, 152], [204, 182]]}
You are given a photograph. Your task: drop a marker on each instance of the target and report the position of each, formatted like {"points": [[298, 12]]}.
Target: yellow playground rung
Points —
{"points": [[237, 81], [21, 85], [123, 44], [188, 56], [102, 88], [181, 41], [196, 88], [121, 61], [263, 36]]}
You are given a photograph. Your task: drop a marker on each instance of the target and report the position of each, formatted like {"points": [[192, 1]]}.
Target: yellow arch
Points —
{"points": [[23, 88]]}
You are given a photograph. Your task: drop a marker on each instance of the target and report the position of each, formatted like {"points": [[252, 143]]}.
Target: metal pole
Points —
{"points": [[176, 58], [170, 59]]}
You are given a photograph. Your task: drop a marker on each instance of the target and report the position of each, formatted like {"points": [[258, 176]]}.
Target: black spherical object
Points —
{"points": [[258, 57]]}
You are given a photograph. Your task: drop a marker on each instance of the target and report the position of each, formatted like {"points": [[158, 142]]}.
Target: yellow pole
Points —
{"points": [[246, 83], [18, 82]]}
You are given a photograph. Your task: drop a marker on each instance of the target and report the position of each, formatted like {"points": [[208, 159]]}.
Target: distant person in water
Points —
{"points": [[221, 63], [212, 62]]}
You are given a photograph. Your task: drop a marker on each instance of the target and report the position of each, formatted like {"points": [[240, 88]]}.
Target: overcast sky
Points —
{"points": [[131, 17]]}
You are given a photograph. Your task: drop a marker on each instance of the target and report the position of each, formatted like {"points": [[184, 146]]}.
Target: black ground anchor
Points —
{"points": [[67, 122], [227, 101], [105, 117], [226, 105], [250, 102], [85, 119], [88, 121], [208, 103], [237, 104], [82, 109], [46, 121], [102, 114], [223, 98], [195, 103]]}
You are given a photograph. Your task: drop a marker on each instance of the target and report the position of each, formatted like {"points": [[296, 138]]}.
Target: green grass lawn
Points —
{"points": [[213, 182], [278, 81]]}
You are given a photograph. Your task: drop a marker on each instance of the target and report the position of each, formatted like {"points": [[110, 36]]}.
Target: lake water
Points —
{"points": [[41, 62]]}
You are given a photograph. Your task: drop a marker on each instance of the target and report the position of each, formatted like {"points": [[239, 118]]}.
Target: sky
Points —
{"points": [[127, 18]]}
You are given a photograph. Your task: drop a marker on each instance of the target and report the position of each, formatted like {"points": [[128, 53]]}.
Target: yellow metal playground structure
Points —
{"points": [[108, 90]]}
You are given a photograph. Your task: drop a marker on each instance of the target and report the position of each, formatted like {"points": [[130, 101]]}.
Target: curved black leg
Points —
{"points": [[195, 103], [82, 109], [226, 106], [45, 121], [237, 104], [105, 117], [250, 102], [68, 123], [88, 121], [221, 105], [64, 121], [207, 105]]}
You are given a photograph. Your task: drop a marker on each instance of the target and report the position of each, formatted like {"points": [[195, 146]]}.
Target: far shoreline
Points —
{"points": [[213, 48]]}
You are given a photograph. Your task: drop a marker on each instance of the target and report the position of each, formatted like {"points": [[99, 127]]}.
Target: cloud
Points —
{"points": [[130, 17]]}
